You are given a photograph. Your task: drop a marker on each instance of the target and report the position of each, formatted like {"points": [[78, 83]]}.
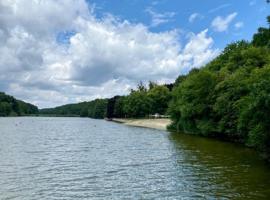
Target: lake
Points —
{"points": [[80, 158]]}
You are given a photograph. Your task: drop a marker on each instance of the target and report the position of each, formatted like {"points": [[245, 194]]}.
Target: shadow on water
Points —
{"points": [[224, 169]]}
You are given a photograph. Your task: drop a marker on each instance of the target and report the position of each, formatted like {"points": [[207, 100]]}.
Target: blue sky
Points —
{"points": [[251, 13], [65, 51]]}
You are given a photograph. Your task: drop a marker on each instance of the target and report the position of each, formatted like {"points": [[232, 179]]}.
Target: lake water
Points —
{"points": [[76, 158]]}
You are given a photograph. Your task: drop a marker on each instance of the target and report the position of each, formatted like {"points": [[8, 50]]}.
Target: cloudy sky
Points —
{"points": [[54, 52]]}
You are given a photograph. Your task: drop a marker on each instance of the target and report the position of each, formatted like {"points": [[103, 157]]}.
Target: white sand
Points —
{"points": [[160, 124]]}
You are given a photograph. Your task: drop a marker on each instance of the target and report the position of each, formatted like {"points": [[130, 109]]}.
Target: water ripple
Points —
{"points": [[74, 158]]}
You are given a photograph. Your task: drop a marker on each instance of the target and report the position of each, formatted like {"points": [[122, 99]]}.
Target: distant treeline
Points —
{"points": [[9, 106], [93, 109], [138, 104]]}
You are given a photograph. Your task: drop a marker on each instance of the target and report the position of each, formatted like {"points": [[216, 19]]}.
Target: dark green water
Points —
{"points": [[74, 158]]}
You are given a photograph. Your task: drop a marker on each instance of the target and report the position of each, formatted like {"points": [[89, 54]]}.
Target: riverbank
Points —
{"points": [[160, 124]]}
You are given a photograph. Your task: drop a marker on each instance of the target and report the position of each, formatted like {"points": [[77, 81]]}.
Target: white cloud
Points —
{"points": [[198, 51], [219, 8], [194, 16], [221, 24], [159, 18], [239, 25], [103, 57]]}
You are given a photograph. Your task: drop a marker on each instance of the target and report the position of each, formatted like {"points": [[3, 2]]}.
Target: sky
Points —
{"points": [[54, 52]]}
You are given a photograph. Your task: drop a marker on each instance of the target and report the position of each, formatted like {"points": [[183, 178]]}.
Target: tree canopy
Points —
{"points": [[9, 106], [229, 97]]}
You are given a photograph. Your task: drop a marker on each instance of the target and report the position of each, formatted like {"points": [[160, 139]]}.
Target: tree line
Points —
{"points": [[138, 104], [93, 109], [9, 106], [141, 102], [230, 97]]}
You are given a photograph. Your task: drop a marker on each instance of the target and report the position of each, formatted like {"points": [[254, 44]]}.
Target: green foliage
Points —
{"points": [[143, 101], [255, 111], [191, 102], [230, 97], [93, 109], [9, 106], [5, 109], [261, 38], [118, 111], [26, 108], [137, 104], [97, 109], [158, 97], [179, 80]]}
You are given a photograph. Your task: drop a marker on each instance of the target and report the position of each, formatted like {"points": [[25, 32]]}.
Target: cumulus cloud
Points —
{"points": [[194, 16], [198, 51], [221, 24], [101, 58]]}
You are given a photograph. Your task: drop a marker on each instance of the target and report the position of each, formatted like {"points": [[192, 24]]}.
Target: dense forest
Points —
{"points": [[230, 97], [141, 103], [93, 109], [138, 104], [9, 106]]}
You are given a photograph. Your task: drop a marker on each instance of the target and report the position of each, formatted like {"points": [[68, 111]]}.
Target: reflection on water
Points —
{"points": [[226, 170], [74, 158]]}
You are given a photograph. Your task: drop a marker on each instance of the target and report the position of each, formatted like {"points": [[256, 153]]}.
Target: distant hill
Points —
{"points": [[93, 109], [9, 106]]}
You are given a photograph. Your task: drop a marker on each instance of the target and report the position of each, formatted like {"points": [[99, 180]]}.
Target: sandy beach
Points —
{"points": [[160, 124]]}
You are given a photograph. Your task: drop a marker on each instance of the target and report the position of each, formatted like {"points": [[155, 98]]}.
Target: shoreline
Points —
{"points": [[159, 124]]}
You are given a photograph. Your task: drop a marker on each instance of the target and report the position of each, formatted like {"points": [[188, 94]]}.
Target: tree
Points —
{"points": [[119, 107], [254, 114], [110, 107], [137, 104], [159, 97], [152, 84], [261, 38], [141, 87], [191, 107], [5, 109], [10, 105], [227, 94]]}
